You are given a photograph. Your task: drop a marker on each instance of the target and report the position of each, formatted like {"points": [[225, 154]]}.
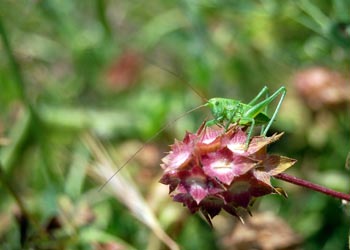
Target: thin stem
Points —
{"points": [[313, 186], [14, 65], [101, 13], [21, 205], [12, 191]]}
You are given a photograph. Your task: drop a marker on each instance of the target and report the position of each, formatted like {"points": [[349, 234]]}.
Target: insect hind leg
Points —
{"points": [[263, 91], [265, 109], [282, 90]]}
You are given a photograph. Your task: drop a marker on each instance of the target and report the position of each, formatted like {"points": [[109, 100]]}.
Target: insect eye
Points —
{"points": [[216, 103]]}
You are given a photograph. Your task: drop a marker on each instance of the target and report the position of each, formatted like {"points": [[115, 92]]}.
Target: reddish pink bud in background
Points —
{"points": [[322, 88]]}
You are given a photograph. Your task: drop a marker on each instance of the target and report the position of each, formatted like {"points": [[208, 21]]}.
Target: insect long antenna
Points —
{"points": [[149, 140], [182, 79]]}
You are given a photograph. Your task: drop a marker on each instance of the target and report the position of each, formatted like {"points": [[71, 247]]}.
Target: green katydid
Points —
{"points": [[228, 111]]}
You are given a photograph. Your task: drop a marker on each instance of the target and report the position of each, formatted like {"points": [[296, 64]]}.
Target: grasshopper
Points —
{"points": [[228, 111]]}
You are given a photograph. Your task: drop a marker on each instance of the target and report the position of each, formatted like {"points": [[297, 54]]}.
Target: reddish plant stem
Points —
{"points": [[313, 186]]}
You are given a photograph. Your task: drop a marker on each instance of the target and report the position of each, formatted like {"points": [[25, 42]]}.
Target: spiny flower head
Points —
{"points": [[213, 170]]}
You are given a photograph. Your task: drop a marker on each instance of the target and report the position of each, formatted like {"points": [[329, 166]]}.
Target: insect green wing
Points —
{"points": [[261, 119]]}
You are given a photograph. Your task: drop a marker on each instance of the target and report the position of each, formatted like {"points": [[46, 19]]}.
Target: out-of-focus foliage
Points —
{"points": [[89, 81]]}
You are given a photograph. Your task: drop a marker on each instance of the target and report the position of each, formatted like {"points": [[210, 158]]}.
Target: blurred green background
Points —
{"points": [[85, 82]]}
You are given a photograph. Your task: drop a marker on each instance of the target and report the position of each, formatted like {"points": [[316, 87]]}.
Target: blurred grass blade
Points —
{"points": [[347, 162], [77, 171], [316, 14], [125, 190], [102, 122], [18, 136], [91, 234], [159, 26]]}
